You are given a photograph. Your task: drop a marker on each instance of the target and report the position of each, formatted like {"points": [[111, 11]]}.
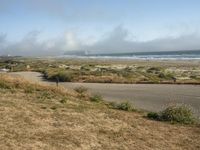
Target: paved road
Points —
{"points": [[151, 97]]}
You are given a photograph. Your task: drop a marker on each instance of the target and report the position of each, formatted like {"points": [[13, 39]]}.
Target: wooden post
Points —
{"points": [[174, 79], [57, 81]]}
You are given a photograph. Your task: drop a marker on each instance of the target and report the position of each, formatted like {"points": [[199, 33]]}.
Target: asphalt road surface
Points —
{"points": [[150, 97]]}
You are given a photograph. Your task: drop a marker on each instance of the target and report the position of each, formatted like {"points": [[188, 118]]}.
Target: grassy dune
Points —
{"points": [[44, 117], [107, 71]]}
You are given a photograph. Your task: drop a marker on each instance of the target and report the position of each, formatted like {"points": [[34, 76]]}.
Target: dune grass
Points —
{"points": [[125, 106], [105, 71]]}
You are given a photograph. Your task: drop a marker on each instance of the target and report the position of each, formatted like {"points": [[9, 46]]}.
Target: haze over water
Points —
{"points": [[173, 55]]}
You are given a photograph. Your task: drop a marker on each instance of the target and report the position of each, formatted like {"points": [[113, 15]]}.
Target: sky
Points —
{"points": [[53, 27]]}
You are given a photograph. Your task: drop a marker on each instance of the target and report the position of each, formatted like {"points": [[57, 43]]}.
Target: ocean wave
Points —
{"points": [[138, 57]]}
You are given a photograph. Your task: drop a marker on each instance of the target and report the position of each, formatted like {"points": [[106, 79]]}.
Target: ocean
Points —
{"points": [[165, 55]]}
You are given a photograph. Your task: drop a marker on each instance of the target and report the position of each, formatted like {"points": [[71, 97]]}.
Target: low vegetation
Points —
{"points": [[105, 71], [48, 117], [174, 114], [96, 98], [59, 76], [126, 106]]}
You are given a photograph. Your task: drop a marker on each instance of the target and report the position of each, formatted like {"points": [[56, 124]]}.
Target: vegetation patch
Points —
{"points": [[126, 106], [174, 114], [63, 100], [29, 89], [107, 71], [62, 77], [58, 75], [96, 98]]}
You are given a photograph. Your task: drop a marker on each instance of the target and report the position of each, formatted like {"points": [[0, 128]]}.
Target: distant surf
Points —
{"points": [[165, 55]]}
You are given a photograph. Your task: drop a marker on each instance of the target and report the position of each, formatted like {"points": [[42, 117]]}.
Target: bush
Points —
{"points": [[162, 75], [61, 76], [126, 106], [96, 98], [153, 115], [179, 114], [175, 114], [81, 89]]}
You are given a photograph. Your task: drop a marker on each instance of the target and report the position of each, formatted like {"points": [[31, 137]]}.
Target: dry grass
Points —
{"points": [[10, 82], [39, 120]]}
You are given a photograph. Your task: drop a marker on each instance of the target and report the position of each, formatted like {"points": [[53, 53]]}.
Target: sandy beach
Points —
{"points": [[150, 97]]}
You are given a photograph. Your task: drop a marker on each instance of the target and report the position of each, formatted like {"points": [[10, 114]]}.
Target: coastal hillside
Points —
{"points": [[44, 117]]}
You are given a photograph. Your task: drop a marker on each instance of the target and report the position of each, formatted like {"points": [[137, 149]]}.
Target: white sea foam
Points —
{"points": [[138, 57]]}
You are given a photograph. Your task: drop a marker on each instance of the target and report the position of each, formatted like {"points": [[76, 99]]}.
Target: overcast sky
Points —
{"points": [[52, 27]]}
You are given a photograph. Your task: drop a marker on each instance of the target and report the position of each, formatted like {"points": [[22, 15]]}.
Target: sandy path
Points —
{"points": [[151, 97]]}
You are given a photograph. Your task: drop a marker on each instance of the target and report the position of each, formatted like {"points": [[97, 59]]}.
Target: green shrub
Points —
{"points": [[153, 115], [193, 77], [175, 114], [126, 106], [179, 114], [86, 67], [170, 76], [63, 77], [96, 98], [161, 75]]}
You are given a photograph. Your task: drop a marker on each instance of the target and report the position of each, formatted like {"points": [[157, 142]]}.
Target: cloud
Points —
{"points": [[116, 41], [31, 45], [181, 42]]}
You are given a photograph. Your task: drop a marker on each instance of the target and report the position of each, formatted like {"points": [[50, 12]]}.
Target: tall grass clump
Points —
{"points": [[96, 98], [126, 106], [174, 114], [8, 83], [62, 77]]}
